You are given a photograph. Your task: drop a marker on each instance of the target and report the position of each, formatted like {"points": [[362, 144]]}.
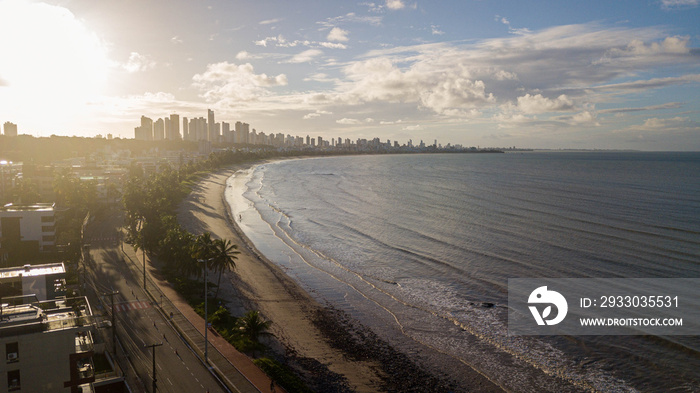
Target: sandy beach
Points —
{"points": [[259, 284]]}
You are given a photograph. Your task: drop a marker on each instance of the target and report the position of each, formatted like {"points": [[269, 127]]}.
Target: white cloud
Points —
{"points": [[530, 104], [138, 62], [347, 121], [244, 55], [585, 118], [176, 40], [666, 125], [305, 56], [679, 4], [338, 34], [332, 45], [316, 114], [638, 85], [395, 4], [351, 17], [230, 82], [270, 21], [413, 128], [435, 30]]}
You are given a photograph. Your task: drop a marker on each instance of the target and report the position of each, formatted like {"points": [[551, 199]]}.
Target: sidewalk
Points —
{"points": [[236, 370]]}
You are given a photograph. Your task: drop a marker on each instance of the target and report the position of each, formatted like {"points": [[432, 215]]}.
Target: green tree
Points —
{"points": [[225, 256], [253, 325]]}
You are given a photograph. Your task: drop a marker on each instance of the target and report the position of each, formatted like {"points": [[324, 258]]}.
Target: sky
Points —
{"points": [[544, 74]]}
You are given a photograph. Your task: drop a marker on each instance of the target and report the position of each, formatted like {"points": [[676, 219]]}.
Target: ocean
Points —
{"points": [[419, 248]]}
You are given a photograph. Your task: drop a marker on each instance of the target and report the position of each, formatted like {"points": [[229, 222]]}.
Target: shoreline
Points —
{"points": [[319, 341]]}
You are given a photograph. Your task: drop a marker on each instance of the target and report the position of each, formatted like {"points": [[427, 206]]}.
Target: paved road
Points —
{"points": [[139, 323]]}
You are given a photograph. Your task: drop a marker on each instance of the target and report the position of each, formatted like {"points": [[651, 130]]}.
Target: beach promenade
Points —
{"points": [[234, 369]]}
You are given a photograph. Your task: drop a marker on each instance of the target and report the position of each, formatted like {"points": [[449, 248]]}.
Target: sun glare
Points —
{"points": [[51, 64]]}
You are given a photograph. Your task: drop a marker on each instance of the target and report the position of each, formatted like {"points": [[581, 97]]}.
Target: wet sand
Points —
{"points": [[317, 341]]}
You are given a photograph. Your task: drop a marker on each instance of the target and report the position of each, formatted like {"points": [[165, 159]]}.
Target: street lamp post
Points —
{"points": [[142, 224], [206, 310], [153, 348], [114, 326]]}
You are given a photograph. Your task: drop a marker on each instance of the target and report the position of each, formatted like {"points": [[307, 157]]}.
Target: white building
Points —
{"points": [[28, 223], [47, 347], [35, 282]]}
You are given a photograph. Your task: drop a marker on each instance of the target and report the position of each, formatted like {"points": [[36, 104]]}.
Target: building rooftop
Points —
{"points": [[29, 207], [29, 270], [44, 316]]}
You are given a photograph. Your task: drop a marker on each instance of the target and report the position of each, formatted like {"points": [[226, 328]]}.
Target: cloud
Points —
{"points": [[435, 30], [532, 104], [348, 121], [679, 4], [349, 18], [176, 40], [332, 45], [316, 114], [282, 42], [638, 85], [668, 105], [337, 34], [244, 55], [585, 118], [305, 56], [231, 83], [270, 21], [138, 63], [395, 4], [667, 125], [413, 128]]}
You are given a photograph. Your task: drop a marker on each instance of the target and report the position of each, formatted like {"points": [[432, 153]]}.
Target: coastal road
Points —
{"points": [[139, 323]]}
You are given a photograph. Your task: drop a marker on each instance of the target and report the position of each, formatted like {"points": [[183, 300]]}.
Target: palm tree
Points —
{"points": [[253, 325], [224, 258], [204, 247]]}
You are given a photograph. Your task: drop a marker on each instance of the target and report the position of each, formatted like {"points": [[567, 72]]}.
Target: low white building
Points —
{"points": [[29, 223]]}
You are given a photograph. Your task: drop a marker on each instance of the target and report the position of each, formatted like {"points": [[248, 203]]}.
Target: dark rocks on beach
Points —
{"points": [[317, 375], [398, 372]]}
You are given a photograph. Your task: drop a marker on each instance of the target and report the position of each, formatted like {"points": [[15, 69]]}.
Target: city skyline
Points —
{"points": [[620, 75], [209, 130]]}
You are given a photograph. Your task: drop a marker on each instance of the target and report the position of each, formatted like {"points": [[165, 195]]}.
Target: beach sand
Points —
{"points": [[258, 284]]}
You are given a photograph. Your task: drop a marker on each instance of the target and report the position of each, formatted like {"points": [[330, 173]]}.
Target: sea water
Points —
{"points": [[419, 248]]}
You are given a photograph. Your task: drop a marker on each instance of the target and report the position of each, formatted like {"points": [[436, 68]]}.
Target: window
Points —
{"points": [[48, 228], [12, 352], [48, 238], [13, 382], [47, 219]]}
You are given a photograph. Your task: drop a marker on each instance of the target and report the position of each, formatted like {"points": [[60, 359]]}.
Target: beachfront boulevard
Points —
{"points": [[139, 323]]}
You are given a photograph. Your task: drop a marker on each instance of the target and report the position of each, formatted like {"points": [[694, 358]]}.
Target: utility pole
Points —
{"points": [[142, 225], [153, 348], [114, 326], [206, 311]]}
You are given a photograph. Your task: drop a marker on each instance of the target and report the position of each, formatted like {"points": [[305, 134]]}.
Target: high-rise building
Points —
{"points": [[242, 132], [226, 133], [145, 131], [167, 127], [10, 129], [174, 133], [210, 125], [159, 130], [185, 130]]}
